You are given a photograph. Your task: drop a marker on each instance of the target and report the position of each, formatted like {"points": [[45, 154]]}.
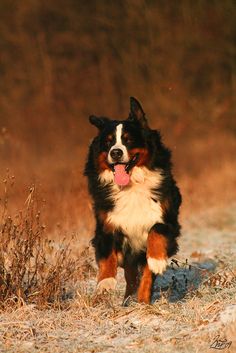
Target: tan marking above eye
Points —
{"points": [[127, 138], [109, 138]]}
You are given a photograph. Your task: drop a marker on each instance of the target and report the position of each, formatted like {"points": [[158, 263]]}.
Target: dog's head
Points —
{"points": [[122, 145]]}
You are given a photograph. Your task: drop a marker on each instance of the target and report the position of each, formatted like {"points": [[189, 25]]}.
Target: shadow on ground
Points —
{"points": [[179, 280]]}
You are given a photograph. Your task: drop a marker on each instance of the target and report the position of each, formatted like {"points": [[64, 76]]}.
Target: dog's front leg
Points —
{"points": [[106, 254], [107, 273], [157, 254]]}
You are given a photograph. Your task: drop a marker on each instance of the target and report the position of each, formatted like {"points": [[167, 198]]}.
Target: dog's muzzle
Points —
{"points": [[122, 170]]}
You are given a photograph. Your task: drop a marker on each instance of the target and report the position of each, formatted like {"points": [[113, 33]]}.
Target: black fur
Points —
{"points": [[160, 157]]}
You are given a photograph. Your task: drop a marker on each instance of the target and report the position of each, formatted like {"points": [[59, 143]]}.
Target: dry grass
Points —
{"points": [[33, 268], [74, 60], [90, 326], [37, 316], [60, 313]]}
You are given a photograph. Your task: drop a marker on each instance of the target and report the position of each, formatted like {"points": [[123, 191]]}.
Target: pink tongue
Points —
{"points": [[121, 176]]}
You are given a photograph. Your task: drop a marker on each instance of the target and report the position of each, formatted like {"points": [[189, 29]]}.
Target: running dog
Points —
{"points": [[135, 200]]}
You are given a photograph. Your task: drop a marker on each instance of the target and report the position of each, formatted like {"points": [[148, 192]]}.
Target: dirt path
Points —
{"points": [[191, 325]]}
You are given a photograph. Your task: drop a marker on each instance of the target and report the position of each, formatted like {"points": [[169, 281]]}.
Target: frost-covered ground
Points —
{"points": [[206, 317]]}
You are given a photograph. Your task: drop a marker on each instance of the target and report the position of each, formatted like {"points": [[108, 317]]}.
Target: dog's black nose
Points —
{"points": [[116, 154]]}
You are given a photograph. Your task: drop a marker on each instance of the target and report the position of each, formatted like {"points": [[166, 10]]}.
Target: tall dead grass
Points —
{"points": [[33, 268]]}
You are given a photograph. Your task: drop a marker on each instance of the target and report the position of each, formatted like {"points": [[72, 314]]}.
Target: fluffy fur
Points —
{"points": [[135, 210], [136, 224]]}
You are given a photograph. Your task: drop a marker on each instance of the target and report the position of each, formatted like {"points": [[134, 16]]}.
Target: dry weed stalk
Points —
{"points": [[32, 268]]}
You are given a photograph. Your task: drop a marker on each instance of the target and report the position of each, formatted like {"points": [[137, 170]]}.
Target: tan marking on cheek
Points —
{"points": [[102, 161], [108, 267], [143, 156], [156, 246]]}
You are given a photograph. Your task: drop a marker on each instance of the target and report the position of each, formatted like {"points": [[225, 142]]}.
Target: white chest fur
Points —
{"points": [[135, 211]]}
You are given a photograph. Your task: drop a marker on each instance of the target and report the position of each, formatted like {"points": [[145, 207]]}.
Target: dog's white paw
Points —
{"points": [[106, 285], [156, 266]]}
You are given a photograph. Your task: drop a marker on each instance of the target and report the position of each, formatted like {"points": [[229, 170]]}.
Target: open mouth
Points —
{"points": [[122, 170]]}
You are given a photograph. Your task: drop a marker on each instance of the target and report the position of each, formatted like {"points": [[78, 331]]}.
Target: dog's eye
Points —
{"points": [[108, 140], [128, 140]]}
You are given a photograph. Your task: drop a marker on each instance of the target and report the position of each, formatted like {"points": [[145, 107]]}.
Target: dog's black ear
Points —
{"points": [[99, 122], [137, 113]]}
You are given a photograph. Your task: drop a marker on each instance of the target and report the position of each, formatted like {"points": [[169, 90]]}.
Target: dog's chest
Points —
{"points": [[136, 208]]}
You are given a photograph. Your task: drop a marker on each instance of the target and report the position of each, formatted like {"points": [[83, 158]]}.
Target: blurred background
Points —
{"points": [[62, 60]]}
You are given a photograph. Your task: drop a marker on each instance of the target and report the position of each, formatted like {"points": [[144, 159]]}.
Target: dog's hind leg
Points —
{"points": [[132, 280]]}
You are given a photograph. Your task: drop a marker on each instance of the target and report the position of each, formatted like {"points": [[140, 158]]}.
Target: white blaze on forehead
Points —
{"points": [[119, 145], [119, 129]]}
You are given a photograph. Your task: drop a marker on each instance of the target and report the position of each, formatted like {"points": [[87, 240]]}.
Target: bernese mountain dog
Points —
{"points": [[135, 200]]}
